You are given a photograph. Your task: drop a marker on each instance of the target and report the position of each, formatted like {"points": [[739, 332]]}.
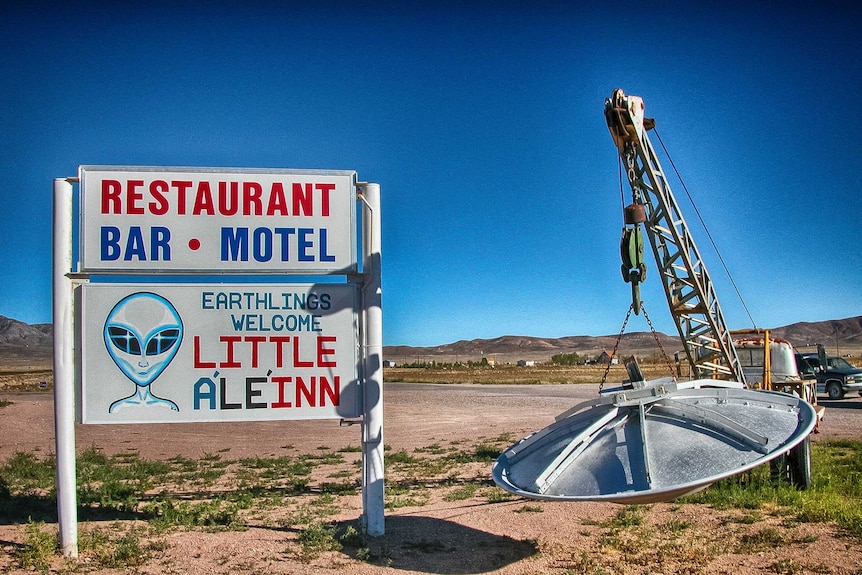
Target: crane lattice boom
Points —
{"points": [[687, 284]]}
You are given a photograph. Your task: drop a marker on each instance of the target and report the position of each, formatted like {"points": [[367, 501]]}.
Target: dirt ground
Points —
{"points": [[515, 536]]}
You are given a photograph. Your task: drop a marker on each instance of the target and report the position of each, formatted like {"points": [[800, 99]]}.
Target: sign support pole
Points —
{"points": [[372, 357], [64, 369]]}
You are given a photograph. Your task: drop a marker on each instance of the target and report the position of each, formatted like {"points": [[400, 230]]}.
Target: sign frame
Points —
{"points": [[196, 220]]}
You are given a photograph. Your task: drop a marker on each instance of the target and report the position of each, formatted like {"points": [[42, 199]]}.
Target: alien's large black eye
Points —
{"points": [[162, 341], [124, 340]]}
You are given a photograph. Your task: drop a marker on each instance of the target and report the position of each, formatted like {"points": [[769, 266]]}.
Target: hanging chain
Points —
{"points": [[664, 354], [616, 345], [660, 346]]}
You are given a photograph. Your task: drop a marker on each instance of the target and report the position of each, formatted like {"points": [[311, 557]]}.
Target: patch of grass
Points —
{"points": [[583, 562], [497, 495], [327, 500], [342, 488], [836, 494], [481, 453], [761, 540], [351, 537], [628, 516], [630, 538], [433, 449], [316, 535], [111, 494], [255, 491], [277, 467], [511, 374], [214, 515], [291, 475], [317, 538], [462, 493], [127, 486], [129, 550], [401, 458], [24, 472], [343, 474], [328, 458], [409, 501], [675, 526], [39, 548]]}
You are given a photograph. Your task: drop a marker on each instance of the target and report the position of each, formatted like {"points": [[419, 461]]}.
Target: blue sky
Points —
{"points": [[483, 124]]}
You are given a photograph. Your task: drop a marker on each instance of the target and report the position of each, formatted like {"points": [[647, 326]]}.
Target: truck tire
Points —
{"points": [[793, 466], [799, 464], [834, 390]]}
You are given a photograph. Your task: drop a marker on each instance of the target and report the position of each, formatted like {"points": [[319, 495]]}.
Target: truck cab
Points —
{"points": [[776, 371], [835, 376]]}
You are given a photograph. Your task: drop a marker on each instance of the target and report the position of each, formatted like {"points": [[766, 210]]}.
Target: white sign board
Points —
{"points": [[224, 352], [198, 220]]}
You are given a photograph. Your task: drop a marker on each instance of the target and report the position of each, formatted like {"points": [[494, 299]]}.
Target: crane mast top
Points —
{"points": [[687, 285]]}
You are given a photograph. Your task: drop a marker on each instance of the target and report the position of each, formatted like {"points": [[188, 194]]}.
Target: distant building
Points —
{"points": [[388, 363], [526, 363], [606, 357]]}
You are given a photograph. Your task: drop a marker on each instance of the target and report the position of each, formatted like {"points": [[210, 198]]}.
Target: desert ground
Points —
{"points": [[429, 530]]}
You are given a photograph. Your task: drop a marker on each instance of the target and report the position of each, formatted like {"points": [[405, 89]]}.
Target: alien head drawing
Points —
{"points": [[143, 334]]}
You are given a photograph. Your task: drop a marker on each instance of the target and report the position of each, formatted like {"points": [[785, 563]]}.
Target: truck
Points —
{"points": [[772, 363], [835, 376]]}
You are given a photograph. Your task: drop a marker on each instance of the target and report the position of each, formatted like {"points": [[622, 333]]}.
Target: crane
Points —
{"points": [[708, 342], [686, 281], [657, 440]]}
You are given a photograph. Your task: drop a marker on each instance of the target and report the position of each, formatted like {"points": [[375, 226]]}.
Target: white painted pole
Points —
{"points": [[372, 421], [64, 369]]}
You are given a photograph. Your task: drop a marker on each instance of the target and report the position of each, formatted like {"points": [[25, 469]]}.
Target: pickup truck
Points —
{"points": [[836, 377]]}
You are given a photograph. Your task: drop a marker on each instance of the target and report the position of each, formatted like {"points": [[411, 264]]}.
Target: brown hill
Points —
{"points": [[32, 344], [843, 336], [25, 346], [835, 334], [510, 348], [18, 334]]}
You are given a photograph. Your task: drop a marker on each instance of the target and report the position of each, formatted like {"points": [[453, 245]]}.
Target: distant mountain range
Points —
{"points": [[845, 335], [27, 345], [20, 340], [18, 334]]}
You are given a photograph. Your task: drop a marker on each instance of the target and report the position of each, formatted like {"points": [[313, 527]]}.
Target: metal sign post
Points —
{"points": [[372, 424], [64, 369]]}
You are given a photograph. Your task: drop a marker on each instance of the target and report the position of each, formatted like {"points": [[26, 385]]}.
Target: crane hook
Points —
{"points": [[632, 252]]}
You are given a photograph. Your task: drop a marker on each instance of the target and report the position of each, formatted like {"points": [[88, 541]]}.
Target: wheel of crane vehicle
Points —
{"points": [[834, 390], [793, 466], [799, 464]]}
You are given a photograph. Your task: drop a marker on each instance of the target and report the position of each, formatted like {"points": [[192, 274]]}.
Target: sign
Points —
{"points": [[199, 220], [223, 352]]}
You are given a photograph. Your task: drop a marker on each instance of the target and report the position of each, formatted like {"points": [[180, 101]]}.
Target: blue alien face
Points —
{"points": [[143, 333]]}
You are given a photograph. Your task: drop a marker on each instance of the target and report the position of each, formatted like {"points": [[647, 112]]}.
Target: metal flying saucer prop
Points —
{"points": [[654, 443]]}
